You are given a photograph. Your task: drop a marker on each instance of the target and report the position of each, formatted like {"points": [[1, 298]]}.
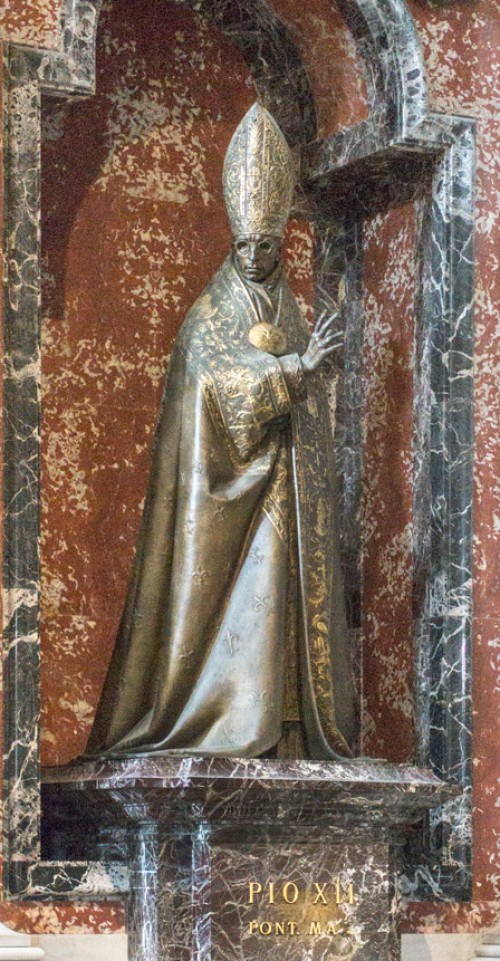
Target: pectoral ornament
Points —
{"points": [[268, 338]]}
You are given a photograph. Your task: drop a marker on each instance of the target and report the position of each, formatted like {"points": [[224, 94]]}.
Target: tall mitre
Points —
{"points": [[258, 177]]}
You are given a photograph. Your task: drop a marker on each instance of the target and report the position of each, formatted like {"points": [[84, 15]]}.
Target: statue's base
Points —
{"points": [[248, 860]]}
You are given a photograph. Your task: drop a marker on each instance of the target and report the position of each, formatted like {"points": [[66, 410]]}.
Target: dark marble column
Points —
{"points": [[163, 916], [142, 903]]}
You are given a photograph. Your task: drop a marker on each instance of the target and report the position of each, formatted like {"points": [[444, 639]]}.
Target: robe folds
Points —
{"points": [[241, 490]]}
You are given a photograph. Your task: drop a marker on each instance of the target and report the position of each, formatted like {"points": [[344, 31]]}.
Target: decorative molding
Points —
{"points": [[389, 45], [489, 947], [17, 947]]}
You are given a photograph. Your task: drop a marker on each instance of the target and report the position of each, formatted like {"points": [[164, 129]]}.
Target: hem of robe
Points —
{"points": [[248, 753], [317, 738]]}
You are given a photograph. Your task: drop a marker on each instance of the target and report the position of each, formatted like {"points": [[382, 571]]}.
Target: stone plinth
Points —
{"points": [[17, 947], [490, 947], [247, 860]]}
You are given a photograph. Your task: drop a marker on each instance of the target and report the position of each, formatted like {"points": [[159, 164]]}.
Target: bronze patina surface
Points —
{"points": [[233, 641]]}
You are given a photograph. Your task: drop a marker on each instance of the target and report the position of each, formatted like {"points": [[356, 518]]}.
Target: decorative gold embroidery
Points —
{"points": [[314, 470], [279, 390], [244, 390], [276, 503], [212, 402], [295, 377], [258, 176]]}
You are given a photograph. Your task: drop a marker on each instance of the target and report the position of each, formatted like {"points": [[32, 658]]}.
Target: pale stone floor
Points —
{"points": [[113, 947], [439, 947]]}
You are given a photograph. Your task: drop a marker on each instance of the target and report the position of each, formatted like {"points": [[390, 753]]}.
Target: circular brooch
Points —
{"points": [[269, 338]]}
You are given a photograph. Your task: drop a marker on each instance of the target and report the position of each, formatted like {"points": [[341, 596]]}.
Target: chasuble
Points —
{"points": [[234, 630]]}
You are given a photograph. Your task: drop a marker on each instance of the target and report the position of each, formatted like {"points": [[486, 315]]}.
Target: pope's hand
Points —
{"points": [[324, 340]]}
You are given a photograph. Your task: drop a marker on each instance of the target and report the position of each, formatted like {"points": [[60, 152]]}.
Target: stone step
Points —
{"points": [[21, 954], [489, 949], [15, 946]]}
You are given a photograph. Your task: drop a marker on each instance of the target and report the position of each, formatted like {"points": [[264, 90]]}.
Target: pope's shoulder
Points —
{"points": [[208, 305]]}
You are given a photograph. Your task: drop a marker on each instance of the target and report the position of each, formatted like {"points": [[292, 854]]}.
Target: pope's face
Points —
{"points": [[258, 255]]}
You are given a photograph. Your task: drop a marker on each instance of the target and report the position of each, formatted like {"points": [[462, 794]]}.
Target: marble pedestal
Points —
{"points": [[247, 860]]}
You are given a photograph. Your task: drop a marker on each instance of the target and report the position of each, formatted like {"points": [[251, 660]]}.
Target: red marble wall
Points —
{"points": [[389, 266], [31, 22], [128, 244], [331, 60]]}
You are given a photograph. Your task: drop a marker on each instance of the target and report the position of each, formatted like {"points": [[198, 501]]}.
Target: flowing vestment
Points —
{"points": [[240, 508]]}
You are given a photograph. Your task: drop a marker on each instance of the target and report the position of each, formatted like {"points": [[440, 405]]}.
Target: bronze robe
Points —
{"points": [[198, 667]]}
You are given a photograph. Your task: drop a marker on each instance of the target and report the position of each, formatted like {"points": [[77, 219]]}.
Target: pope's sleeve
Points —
{"points": [[246, 396], [295, 377]]}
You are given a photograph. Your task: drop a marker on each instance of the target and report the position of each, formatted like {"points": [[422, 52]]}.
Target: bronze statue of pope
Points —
{"points": [[233, 641]]}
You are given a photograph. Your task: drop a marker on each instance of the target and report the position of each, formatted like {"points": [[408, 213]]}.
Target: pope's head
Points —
{"points": [[259, 181], [257, 255]]}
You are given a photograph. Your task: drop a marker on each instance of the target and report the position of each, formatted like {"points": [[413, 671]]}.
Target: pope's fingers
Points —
{"points": [[327, 327], [323, 320], [330, 338]]}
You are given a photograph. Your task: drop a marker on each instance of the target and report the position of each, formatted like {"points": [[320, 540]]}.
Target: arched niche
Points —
{"points": [[398, 156], [127, 246]]}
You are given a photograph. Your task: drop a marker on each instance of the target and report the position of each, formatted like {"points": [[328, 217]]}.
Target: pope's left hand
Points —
{"points": [[324, 340]]}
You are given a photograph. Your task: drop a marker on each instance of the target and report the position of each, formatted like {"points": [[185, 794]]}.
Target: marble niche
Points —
{"points": [[385, 194]]}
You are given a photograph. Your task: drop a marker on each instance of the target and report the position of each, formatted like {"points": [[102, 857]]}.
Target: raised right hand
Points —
{"points": [[324, 340]]}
